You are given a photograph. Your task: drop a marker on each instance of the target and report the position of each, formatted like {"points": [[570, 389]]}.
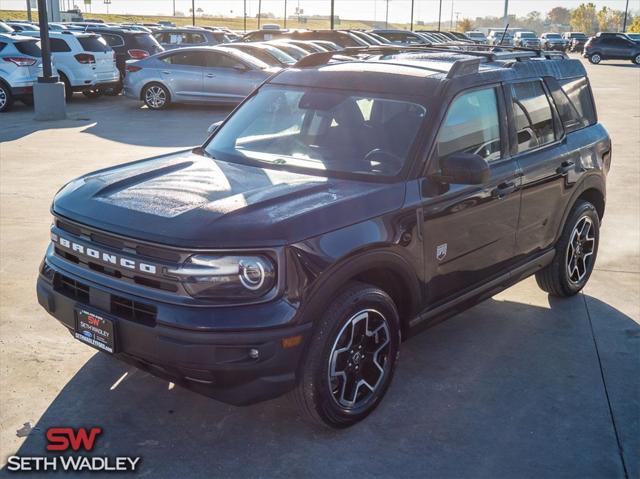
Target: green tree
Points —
{"points": [[585, 19], [559, 16], [465, 25], [610, 20]]}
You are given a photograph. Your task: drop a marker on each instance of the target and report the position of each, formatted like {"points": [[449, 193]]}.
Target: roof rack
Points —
{"points": [[460, 67]]}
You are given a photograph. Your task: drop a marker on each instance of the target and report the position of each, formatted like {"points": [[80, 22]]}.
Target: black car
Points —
{"points": [[574, 41], [341, 208], [128, 44], [611, 46]]}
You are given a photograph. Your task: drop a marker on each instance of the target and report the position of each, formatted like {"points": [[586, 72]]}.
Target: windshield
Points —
{"points": [[320, 129], [527, 35], [475, 35], [553, 35]]}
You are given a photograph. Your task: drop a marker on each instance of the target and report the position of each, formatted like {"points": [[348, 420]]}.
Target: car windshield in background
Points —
{"points": [[528, 35], [553, 35], [321, 130], [94, 44], [29, 48]]}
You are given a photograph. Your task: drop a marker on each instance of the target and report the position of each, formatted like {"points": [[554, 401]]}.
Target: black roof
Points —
{"points": [[417, 73]]}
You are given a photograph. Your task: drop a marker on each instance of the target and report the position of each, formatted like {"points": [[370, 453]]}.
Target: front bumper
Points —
{"points": [[217, 364]]}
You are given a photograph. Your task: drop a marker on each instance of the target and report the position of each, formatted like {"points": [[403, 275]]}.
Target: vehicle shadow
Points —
{"points": [[121, 120], [505, 389]]}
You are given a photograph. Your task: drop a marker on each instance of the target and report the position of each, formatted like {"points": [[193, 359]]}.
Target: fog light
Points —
{"points": [[254, 353], [291, 342]]}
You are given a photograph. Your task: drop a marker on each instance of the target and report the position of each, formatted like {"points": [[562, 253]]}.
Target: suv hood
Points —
{"points": [[187, 200]]}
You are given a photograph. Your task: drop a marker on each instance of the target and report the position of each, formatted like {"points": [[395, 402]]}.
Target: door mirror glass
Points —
{"points": [[464, 169]]}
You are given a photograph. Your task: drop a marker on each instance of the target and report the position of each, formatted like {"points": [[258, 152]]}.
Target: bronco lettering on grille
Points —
{"points": [[103, 256]]}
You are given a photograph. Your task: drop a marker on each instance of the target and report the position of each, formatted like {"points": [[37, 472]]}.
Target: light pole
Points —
{"points": [[29, 10], [386, 18], [505, 16], [411, 24], [48, 91], [624, 25], [174, 8], [259, 12], [439, 15], [193, 12], [333, 11], [451, 22], [285, 13], [245, 16]]}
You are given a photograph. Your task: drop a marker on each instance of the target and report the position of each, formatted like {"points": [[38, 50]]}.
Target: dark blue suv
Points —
{"points": [[344, 206]]}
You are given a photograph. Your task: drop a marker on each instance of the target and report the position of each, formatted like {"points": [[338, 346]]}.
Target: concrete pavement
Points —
{"points": [[523, 385]]}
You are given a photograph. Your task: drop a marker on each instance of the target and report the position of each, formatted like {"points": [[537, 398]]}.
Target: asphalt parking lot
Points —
{"points": [[523, 385]]}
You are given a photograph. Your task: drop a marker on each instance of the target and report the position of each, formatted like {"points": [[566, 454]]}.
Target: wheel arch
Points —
{"points": [[384, 269], [592, 190]]}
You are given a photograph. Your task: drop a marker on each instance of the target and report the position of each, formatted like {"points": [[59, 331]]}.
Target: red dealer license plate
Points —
{"points": [[94, 330]]}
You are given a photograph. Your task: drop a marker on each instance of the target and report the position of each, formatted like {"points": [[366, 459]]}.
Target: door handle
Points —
{"points": [[166, 72], [210, 75], [565, 167], [504, 189]]}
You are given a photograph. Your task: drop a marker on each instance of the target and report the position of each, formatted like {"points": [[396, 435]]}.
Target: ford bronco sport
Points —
{"points": [[341, 208]]}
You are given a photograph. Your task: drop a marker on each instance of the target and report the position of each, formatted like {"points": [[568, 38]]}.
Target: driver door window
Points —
{"points": [[472, 125]]}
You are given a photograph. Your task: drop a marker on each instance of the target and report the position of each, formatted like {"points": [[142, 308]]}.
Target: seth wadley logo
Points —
{"points": [[66, 439]]}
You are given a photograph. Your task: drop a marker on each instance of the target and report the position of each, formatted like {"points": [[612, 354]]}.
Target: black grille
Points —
{"points": [[71, 288], [121, 307], [133, 310]]}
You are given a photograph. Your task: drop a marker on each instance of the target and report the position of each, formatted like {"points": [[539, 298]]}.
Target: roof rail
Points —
{"points": [[464, 66]]}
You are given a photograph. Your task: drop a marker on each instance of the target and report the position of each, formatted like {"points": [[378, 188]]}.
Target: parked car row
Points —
{"points": [[163, 64]]}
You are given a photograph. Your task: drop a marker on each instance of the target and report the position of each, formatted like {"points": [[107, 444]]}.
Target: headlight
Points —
{"points": [[227, 277]]}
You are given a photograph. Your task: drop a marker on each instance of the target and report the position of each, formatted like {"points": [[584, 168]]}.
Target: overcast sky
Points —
{"points": [[399, 10]]}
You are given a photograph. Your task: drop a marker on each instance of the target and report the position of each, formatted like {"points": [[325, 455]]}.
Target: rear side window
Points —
{"points": [[146, 42], [58, 45], [29, 48], [533, 115], [576, 106], [93, 44], [220, 60], [194, 59], [472, 126], [113, 40]]}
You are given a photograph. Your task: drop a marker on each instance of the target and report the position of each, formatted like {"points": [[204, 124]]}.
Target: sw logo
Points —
{"points": [[441, 251], [67, 439]]}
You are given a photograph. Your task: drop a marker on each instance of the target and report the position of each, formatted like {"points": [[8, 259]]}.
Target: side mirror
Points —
{"points": [[464, 169], [213, 127]]}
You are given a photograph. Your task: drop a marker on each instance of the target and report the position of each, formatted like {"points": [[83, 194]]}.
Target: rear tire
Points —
{"points": [[595, 58], [68, 92], [6, 98], [351, 358], [576, 252], [156, 96], [636, 59]]}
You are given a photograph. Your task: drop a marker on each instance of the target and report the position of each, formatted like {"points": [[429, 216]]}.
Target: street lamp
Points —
{"points": [[411, 24], [439, 15], [285, 13], [193, 12], [333, 11]]}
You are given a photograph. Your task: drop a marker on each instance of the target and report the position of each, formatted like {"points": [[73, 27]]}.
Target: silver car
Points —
{"points": [[195, 75]]}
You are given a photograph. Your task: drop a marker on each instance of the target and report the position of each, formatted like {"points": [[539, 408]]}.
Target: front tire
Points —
{"points": [[156, 96], [636, 59], [595, 58], [351, 358], [576, 253]]}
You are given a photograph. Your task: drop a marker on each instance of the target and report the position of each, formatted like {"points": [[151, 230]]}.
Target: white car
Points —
{"points": [[20, 66], [84, 62]]}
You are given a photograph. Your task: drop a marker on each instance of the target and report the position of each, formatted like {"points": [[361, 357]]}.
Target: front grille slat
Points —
{"points": [[126, 248], [119, 306]]}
